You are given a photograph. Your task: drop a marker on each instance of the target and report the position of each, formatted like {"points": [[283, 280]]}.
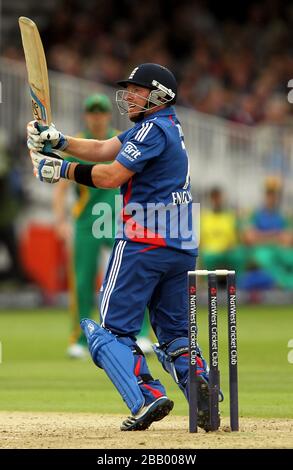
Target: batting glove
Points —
{"points": [[39, 136], [49, 169]]}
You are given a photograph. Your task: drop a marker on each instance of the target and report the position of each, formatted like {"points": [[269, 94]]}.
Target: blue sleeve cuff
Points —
{"points": [[122, 136]]}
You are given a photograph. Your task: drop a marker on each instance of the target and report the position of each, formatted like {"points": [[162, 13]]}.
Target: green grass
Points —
{"points": [[35, 374]]}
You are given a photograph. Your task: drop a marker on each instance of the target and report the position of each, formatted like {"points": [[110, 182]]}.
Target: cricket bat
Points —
{"points": [[36, 66]]}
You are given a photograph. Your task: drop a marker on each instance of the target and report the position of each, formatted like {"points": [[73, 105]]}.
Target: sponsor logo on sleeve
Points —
{"points": [[131, 151]]}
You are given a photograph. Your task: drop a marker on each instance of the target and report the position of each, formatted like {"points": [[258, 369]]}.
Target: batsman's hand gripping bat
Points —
{"points": [[37, 75]]}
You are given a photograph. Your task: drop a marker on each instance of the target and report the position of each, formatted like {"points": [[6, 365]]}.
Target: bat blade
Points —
{"points": [[36, 69]]}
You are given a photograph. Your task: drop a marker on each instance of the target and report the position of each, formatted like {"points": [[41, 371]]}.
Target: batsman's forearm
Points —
{"points": [[99, 176], [92, 150], [85, 149]]}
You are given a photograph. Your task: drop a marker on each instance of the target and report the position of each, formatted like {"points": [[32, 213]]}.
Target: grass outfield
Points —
{"points": [[35, 374]]}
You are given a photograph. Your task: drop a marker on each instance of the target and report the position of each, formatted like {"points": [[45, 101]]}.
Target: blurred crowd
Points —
{"points": [[12, 200], [257, 244], [231, 61]]}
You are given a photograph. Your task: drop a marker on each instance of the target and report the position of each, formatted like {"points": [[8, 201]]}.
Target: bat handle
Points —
{"points": [[47, 146]]}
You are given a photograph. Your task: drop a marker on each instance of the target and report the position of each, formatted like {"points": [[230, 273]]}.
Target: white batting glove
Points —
{"points": [[39, 137], [33, 137], [49, 169]]}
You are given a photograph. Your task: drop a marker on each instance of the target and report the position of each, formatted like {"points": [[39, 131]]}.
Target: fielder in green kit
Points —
{"points": [[85, 248]]}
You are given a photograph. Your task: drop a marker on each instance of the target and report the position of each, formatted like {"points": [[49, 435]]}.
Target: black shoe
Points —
{"points": [[156, 411], [203, 406]]}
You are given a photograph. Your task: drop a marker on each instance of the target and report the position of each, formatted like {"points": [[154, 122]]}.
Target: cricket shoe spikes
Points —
{"points": [[203, 372], [155, 411], [203, 406]]}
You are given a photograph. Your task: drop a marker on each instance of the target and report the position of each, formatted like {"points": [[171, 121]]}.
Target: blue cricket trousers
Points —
{"points": [[140, 275]]}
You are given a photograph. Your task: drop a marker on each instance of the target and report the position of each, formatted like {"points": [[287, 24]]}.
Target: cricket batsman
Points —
{"points": [[155, 244]]}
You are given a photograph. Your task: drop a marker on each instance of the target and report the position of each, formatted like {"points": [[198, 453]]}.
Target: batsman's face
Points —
{"points": [[136, 98]]}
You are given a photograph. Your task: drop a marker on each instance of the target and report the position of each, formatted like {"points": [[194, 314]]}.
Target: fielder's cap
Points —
{"points": [[97, 103]]}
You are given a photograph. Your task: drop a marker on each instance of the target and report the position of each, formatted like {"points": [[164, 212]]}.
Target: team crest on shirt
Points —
{"points": [[131, 151]]}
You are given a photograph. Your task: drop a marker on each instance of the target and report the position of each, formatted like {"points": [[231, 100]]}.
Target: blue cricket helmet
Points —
{"points": [[155, 77]]}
